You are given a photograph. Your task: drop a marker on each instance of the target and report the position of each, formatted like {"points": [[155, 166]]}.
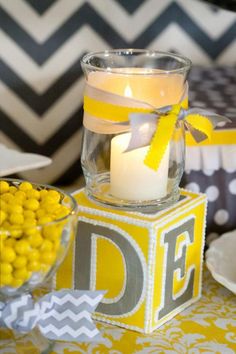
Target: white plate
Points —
{"points": [[13, 161], [221, 260]]}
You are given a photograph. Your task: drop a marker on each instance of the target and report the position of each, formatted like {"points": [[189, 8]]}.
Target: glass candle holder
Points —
{"points": [[115, 175]]}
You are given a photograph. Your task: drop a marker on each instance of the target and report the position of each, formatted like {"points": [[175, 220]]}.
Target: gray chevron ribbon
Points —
{"points": [[60, 315]]}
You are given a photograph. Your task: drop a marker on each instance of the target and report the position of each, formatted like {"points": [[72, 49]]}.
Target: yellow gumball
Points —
{"points": [[21, 273], [6, 279], [8, 254], [46, 246], [3, 216], [10, 242], [33, 194], [48, 257], [34, 266], [15, 209], [31, 204], [16, 283], [20, 262], [34, 255], [4, 187], [20, 195], [35, 240], [16, 219], [25, 186], [22, 247], [12, 189], [6, 268], [29, 214]]}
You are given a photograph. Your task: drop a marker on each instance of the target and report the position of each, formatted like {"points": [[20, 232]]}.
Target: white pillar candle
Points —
{"points": [[130, 178]]}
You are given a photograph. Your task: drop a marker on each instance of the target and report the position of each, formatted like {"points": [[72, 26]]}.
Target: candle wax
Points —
{"points": [[130, 178]]}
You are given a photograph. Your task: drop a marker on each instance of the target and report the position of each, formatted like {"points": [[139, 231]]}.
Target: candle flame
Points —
{"points": [[128, 91]]}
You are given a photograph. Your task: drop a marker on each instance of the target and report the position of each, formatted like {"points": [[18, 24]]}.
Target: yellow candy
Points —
{"points": [[47, 200], [16, 283], [46, 246], [51, 207], [21, 273], [3, 205], [8, 254], [43, 193], [6, 279], [5, 268], [33, 193], [7, 197], [16, 219], [20, 195], [26, 246], [12, 189], [57, 244], [40, 212], [29, 214], [6, 225], [15, 208], [20, 262], [54, 195], [25, 186], [34, 255], [31, 204], [35, 240], [45, 268], [17, 200], [51, 232], [62, 212], [44, 220], [29, 231], [10, 242], [3, 216], [48, 257], [34, 266], [22, 247], [4, 187], [29, 222], [15, 232]]}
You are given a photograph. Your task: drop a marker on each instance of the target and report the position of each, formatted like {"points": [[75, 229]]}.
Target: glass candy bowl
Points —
{"points": [[37, 225]]}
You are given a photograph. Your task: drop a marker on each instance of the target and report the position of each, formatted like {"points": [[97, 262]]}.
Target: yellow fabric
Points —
{"points": [[208, 326], [109, 111], [218, 137], [201, 123], [162, 136]]}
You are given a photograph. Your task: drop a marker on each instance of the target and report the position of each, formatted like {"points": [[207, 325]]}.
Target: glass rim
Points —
{"points": [[148, 52], [46, 186]]}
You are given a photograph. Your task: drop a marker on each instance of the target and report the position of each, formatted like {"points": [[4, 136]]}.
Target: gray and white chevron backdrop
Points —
{"points": [[41, 45]]}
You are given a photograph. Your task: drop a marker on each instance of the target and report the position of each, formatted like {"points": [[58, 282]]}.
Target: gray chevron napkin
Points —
{"points": [[60, 315]]}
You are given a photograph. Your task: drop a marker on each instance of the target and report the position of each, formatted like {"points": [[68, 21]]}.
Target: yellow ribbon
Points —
{"points": [[109, 111], [165, 124]]}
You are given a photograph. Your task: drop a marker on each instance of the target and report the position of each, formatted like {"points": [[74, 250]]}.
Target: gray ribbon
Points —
{"points": [[60, 315], [144, 125]]}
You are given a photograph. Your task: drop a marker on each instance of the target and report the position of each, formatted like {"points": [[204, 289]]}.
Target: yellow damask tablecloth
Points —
{"points": [[208, 326]]}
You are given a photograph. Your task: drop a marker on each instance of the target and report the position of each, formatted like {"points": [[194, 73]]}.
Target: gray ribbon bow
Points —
{"points": [[60, 315], [144, 125]]}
